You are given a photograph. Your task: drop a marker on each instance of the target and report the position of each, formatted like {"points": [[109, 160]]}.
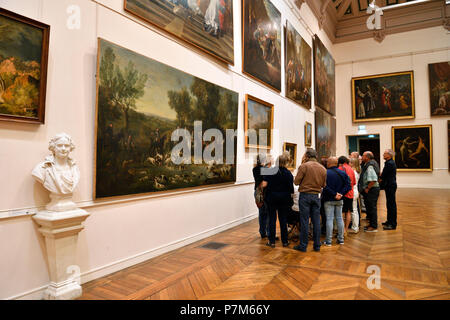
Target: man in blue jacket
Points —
{"points": [[338, 184]]}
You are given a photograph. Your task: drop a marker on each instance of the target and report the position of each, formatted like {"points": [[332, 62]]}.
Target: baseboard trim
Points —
{"points": [[37, 293]]}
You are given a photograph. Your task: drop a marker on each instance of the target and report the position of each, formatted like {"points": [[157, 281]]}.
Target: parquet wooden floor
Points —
{"points": [[414, 263]]}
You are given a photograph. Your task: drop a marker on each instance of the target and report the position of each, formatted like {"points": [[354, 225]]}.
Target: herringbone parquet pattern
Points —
{"points": [[414, 261]]}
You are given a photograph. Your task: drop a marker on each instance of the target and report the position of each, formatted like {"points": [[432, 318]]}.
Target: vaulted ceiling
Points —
{"points": [[346, 20]]}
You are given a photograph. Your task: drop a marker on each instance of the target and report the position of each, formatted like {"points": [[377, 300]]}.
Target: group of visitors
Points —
{"points": [[334, 185]]}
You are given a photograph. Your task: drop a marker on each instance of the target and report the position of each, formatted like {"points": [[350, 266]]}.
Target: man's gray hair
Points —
{"points": [[369, 155], [311, 153], [261, 159], [390, 152]]}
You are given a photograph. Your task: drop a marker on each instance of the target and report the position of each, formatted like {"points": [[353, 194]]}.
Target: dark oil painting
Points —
{"points": [[413, 146], [325, 134], [383, 97], [140, 104], [258, 123], [23, 67], [439, 75], [207, 24], [324, 77], [262, 42], [298, 68]]}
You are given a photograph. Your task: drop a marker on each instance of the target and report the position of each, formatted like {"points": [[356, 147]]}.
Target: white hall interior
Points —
{"points": [[124, 231]]}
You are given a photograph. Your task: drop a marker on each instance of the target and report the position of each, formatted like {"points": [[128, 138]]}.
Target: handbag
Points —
{"points": [[259, 197]]}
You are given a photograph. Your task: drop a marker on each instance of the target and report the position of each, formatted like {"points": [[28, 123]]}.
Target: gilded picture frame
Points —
{"points": [[258, 115], [292, 149], [388, 96], [413, 147], [308, 134]]}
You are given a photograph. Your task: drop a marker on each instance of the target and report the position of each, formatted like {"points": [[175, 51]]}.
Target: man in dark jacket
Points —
{"points": [[338, 184], [369, 188], [388, 183]]}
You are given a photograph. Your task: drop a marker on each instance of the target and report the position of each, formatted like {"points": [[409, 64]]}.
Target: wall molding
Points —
{"points": [[37, 293]]}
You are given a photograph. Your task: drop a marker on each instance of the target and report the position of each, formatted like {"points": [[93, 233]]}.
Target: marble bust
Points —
{"points": [[58, 173]]}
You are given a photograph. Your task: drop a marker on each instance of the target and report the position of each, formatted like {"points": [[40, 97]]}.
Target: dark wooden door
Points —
{"points": [[370, 145]]}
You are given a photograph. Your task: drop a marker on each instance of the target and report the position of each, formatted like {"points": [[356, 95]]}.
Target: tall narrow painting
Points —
{"points": [[413, 146], [298, 68], [258, 123], [206, 24], [439, 76], [158, 128], [324, 77], [383, 97], [292, 149], [325, 134], [308, 134], [23, 68], [261, 42]]}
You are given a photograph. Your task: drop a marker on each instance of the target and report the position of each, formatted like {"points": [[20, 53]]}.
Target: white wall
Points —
{"points": [[407, 51], [120, 233]]}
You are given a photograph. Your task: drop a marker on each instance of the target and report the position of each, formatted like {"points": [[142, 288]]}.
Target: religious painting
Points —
{"points": [[308, 134], [413, 146], [23, 68], [206, 24], [258, 123], [325, 134], [292, 149], [261, 42], [298, 68], [324, 77], [159, 128], [439, 77], [383, 97]]}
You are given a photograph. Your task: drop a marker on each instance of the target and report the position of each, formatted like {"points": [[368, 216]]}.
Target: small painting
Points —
{"points": [[383, 97], [23, 68], [325, 134], [298, 68], [413, 146], [448, 142], [158, 128], [261, 42], [292, 149], [308, 134], [258, 123], [207, 24], [324, 77], [439, 74]]}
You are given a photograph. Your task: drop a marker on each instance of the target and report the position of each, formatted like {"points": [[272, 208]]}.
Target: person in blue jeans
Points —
{"points": [[311, 178], [338, 184]]}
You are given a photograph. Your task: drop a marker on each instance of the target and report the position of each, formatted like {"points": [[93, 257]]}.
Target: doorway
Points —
{"points": [[362, 143]]}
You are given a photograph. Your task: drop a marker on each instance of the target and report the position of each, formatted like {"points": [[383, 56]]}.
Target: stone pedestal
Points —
{"points": [[60, 230]]}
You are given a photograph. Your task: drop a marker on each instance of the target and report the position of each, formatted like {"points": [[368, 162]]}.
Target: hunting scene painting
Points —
{"points": [[298, 68], [439, 74], [324, 77], [23, 68], [413, 146], [262, 42], [325, 134], [207, 24], [383, 97], [140, 104], [258, 123]]}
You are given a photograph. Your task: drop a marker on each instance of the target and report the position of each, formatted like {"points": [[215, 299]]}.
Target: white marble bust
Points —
{"points": [[59, 173]]}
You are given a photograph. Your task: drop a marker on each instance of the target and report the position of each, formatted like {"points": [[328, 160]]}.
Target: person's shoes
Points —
{"points": [[389, 227], [353, 231], [272, 245], [340, 242], [298, 248], [385, 223], [286, 244], [326, 244], [277, 238], [317, 250], [263, 236], [370, 229]]}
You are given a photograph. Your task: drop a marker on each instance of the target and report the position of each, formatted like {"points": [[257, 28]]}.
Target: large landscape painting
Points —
{"points": [[258, 123], [383, 97], [324, 77], [261, 42], [207, 24], [325, 134], [439, 74], [413, 146], [141, 105], [298, 68], [23, 67]]}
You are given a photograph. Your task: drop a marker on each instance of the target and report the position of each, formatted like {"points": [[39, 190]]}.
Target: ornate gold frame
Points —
{"points": [[267, 104], [411, 73], [295, 154], [306, 136], [430, 130]]}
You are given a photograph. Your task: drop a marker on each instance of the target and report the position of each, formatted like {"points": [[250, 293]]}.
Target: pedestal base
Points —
{"points": [[60, 230]]}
